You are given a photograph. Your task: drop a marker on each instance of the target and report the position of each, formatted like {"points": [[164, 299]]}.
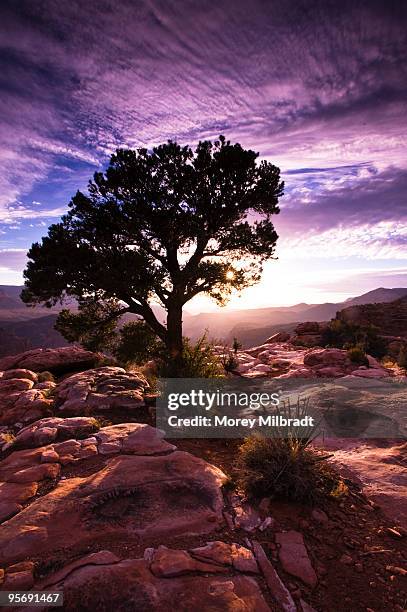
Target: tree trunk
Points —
{"points": [[174, 331]]}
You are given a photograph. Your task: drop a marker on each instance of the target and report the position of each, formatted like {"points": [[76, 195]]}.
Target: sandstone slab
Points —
{"points": [[294, 557], [130, 585]]}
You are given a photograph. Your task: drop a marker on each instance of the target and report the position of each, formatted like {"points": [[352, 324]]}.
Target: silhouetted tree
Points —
{"points": [[161, 226]]}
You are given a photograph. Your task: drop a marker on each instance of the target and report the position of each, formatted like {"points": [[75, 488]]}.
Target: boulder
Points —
{"points": [[57, 361], [312, 327], [48, 430], [106, 388], [371, 373], [326, 357], [132, 438], [21, 373], [12, 385]]}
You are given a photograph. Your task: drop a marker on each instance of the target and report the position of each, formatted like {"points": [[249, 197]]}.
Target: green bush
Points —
{"points": [[197, 361], [284, 468], [357, 355], [137, 343]]}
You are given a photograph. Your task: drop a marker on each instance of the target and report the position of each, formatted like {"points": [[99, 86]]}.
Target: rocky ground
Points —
{"points": [[93, 501], [284, 357]]}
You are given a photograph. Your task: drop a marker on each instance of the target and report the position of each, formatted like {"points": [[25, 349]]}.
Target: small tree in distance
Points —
{"points": [[161, 226]]}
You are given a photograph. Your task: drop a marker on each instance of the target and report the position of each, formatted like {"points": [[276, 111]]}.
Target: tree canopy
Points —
{"points": [[160, 227]]}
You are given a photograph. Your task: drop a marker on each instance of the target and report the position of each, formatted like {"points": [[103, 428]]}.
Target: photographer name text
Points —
{"points": [[247, 422]]}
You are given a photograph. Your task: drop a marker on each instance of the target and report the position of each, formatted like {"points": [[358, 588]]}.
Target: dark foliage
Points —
{"points": [[93, 326], [282, 468], [137, 343], [357, 355], [345, 335]]}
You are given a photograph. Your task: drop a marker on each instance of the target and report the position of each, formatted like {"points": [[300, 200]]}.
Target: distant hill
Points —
{"points": [[377, 296], [389, 317], [22, 328]]}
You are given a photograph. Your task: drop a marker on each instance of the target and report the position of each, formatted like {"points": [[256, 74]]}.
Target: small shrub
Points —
{"points": [[45, 377], [229, 362], [357, 355], [282, 468], [236, 345], [197, 361]]}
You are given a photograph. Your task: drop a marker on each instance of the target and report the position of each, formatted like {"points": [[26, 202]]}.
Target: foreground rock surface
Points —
{"points": [[148, 496], [104, 582], [382, 472]]}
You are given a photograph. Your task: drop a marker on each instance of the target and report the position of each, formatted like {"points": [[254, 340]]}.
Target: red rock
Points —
{"points": [[221, 553], [36, 473], [382, 472], [294, 557], [18, 581], [186, 489], [102, 557], [17, 492], [20, 373], [11, 385], [8, 509], [307, 327], [130, 584], [27, 537], [23, 566], [49, 456], [330, 356], [58, 360], [273, 580], [99, 389], [168, 563], [134, 438]]}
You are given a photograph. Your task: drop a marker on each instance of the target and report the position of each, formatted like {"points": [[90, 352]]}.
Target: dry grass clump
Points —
{"points": [[285, 468]]}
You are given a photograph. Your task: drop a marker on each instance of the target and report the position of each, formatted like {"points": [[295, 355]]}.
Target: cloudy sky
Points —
{"points": [[319, 88]]}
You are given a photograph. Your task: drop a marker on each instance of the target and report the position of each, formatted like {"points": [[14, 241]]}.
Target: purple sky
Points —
{"points": [[319, 88]]}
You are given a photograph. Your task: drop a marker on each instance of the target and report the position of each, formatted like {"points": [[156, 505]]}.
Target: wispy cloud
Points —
{"points": [[319, 88]]}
